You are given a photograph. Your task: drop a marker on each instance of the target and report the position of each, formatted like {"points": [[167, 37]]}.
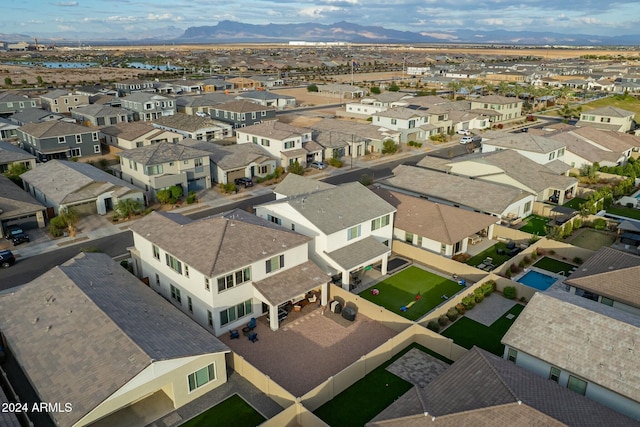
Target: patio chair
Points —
{"points": [[234, 334], [252, 324], [253, 337]]}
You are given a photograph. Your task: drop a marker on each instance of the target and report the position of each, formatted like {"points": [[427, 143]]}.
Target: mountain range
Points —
{"points": [[238, 32]]}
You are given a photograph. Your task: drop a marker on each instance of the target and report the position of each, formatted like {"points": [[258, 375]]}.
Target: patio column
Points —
{"points": [[383, 267], [273, 317], [324, 294], [346, 277]]}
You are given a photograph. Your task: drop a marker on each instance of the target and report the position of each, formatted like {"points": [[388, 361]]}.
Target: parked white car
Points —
{"points": [[465, 132], [470, 139]]}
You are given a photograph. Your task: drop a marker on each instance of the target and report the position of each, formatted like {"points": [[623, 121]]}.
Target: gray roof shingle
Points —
{"points": [[231, 157], [163, 152]]}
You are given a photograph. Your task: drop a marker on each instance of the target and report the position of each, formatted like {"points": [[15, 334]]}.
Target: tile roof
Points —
{"points": [[483, 389], [10, 153], [435, 221], [338, 208], [242, 106], [87, 327], [218, 244], [292, 282], [66, 182], [163, 152], [611, 273], [53, 128], [477, 194], [593, 345], [15, 202], [526, 142], [294, 185], [231, 157], [358, 253]]}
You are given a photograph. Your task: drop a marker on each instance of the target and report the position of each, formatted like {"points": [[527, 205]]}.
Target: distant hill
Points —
{"points": [[230, 31]]}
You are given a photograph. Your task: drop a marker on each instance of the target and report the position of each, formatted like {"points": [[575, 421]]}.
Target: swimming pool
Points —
{"points": [[537, 280]]}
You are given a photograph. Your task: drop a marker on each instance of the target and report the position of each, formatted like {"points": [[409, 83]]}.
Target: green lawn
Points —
{"points": [[467, 333], [624, 211], [493, 253], [366, 398], [232, 412], [554, 266], [535, 224], [403, 287], [575, 203]]}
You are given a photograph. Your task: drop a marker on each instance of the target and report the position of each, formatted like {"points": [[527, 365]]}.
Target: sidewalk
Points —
{"points": [[97, 226]]}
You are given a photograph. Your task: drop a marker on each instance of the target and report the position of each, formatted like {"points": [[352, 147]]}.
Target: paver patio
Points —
{"points": [[309, 348]]}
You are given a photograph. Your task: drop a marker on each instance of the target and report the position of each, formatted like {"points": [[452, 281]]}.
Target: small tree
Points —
{"points": [[510, 292], [128, 207], [176, 192], [14, 172], [389, 147], [366, 180], [394, 87], [40, 81], [8, 81], [312, 88], [163, 196], [375, 90], [296, 168]]}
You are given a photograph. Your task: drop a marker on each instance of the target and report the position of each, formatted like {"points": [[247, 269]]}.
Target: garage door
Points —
{"points": [[27, 223], [235, 174], [88, 208], [197, 184]]}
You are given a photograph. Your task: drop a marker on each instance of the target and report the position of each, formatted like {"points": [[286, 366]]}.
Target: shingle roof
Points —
{"points": [[294, 185], [128, 131], [32, 115], [87, 327], [98, 110], [231, 157], [609, 111], [163, 152], [53, 128], [9, 96], [593, 345], [358, 253], [263, 95], [477, 194], [337, 133], [611, 273], [242, 106], [66, 182], [217, 244], [338, 208], [402, 113], [526, 142], [186, 122], [483, 389], [10, 153], [292, 282], [15, 202], [274, 129], [435, 221]]}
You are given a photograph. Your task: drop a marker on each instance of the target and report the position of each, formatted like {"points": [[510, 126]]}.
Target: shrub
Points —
{"points": [[526, 260], [366, 180], [335, 162], [577, 223], [599, 223], [443, 320], [534, 255], [55, 231], [163, 196], [191, 198], [510, 292], [479, 298], [488, 288], [523, 299], [433, 325], [522, 264], [552, 252], [296, 168], [515, 269], [452, 314], [375, 90], [460, 309], [176, 192], [125, 263], [312, 88], [389, 147], [508, 273], [578, 260], [469, 301]]}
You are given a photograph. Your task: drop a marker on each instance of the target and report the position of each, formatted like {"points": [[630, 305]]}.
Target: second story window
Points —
{"points": [[380, 222], [154, 170], [289, 144], [207, 286], [61, 140], [156, 252], [274, 219], [78, 139], [354, 232], [275, 263], [174, 263], [265, 142]]}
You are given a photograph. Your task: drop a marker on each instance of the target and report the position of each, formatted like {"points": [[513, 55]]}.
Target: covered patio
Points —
{"points": [[350, 260], [291, 285]]}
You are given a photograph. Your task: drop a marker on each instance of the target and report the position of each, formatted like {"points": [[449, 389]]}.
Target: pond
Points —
{"points": [[56, 64], [145, 66]]}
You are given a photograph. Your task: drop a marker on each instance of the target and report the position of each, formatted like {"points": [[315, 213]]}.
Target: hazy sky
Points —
{"points": [[112, 18]]}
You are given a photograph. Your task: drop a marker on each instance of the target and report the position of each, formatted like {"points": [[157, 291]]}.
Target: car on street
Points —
{"points": [[7, 259], [465, 132], [318, 165], [244, 182]]}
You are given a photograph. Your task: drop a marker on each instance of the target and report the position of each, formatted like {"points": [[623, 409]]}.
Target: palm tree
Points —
{"points": [[455, 86], [503, 88], [128, 207]]}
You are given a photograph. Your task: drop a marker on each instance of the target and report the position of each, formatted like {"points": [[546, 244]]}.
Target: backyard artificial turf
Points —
{"points": [[402, 288], [467, 333], [232, 412], [624, 211], [491, 252], [554, 266], [575, 203], [367, 397], [535, 225]]}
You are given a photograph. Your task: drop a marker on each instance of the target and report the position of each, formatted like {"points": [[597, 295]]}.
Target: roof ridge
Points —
{"points": [[444, 222], [493, 369], [217, 251]]}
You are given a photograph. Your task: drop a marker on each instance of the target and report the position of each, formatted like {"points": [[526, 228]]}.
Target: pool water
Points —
{"points": [[536, 280]]}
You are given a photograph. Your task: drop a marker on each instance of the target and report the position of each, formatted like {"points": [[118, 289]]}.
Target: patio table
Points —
{"points": [[481, 266]]}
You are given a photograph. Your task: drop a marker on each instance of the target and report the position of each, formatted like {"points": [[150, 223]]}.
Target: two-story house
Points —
{"points": [[405, 120], [11, 102], [195, 127], [159, 166], [583, 345], [59, 140], [282, 141], [540, 149], [351, 227], [235, 266], [588, 145], [149, 106], [498, 109], [128, 86], [101, 115], [608, 118], [128, 135], [62, 101], [242, 113], [269, 99], [373, 103], [201, 104]]}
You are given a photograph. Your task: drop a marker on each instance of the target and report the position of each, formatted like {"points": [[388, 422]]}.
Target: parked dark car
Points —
{"points": [[244, 181], [16, 239], [12, 230], [7, 259]]}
